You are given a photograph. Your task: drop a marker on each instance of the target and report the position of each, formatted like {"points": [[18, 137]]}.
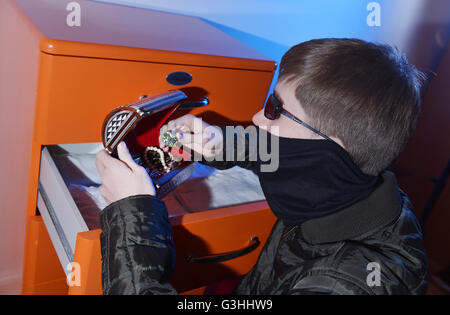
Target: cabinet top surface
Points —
{"points": [[110, 24]]}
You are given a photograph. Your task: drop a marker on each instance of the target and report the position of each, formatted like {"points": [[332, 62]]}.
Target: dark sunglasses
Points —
{"points": [[274, 108]]}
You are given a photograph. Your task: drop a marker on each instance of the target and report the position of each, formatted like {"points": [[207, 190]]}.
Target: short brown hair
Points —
{"points": [[365, 94]]}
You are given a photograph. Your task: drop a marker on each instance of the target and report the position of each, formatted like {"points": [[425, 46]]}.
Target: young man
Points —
{"points": [[342, 110]]}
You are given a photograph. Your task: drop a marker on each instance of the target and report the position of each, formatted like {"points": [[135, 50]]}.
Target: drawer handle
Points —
{"points": [[254, 243]]}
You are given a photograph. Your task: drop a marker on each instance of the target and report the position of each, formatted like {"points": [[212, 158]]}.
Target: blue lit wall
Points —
{"points": [[272, 26]]}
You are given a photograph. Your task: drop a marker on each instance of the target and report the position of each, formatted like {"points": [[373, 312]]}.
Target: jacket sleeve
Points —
{"points": [[328, 284], [235, 150], [138, 253]]}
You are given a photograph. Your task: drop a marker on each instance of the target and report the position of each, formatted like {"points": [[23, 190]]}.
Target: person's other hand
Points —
{"points": [[122, 178], [194, 134]]}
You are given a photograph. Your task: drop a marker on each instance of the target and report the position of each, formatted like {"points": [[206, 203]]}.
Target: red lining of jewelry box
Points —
{"points": [[146, 132]]}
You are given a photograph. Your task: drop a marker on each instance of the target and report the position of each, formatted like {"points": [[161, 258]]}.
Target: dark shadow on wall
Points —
{"points": [[427, 46], [425, 157]]}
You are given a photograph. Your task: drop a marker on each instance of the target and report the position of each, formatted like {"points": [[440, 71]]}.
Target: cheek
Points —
{"points": [[260, 120]]}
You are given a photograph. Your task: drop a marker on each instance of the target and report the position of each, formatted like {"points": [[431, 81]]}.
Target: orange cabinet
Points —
{"points": [[114, 57]]}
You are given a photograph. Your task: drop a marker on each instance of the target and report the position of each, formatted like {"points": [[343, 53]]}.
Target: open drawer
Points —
{"points": [[220, 219]]}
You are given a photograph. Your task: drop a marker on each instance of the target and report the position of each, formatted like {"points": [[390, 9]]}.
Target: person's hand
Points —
{"points": [[122, 178], [195, 134]]}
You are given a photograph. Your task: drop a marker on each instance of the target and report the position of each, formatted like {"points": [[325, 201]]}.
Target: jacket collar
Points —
{"points": [[380, 208]]}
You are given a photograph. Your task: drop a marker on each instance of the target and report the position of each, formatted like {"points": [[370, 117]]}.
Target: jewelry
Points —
{"points": [[158, 162], [169, 138]]}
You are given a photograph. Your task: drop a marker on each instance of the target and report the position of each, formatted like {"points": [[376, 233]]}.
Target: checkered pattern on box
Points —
{"points": [[115, 123]]}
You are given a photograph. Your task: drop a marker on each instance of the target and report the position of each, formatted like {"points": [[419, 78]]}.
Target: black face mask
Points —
{"points": [[315, 178]]}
